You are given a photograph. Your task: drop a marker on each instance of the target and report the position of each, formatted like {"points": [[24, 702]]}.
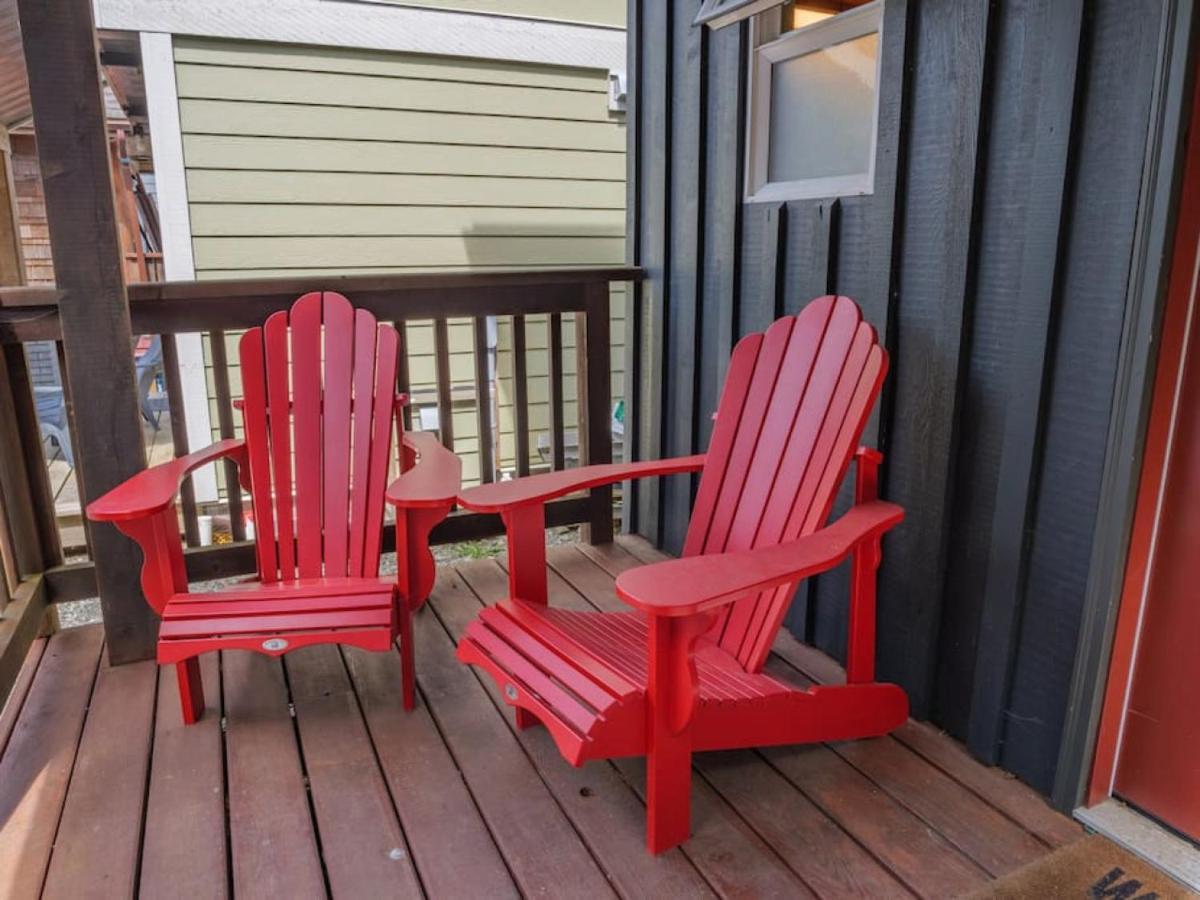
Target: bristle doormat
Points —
{"points": [[1091, 869]]}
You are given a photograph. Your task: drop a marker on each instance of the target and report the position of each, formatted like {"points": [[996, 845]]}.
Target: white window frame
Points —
{"points": [[854, 23]]}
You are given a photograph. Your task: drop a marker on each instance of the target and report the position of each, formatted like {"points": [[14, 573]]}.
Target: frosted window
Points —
{"points": [[823, 112]]}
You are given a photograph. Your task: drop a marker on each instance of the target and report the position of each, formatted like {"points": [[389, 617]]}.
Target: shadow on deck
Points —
{"points": [[309, 779]]}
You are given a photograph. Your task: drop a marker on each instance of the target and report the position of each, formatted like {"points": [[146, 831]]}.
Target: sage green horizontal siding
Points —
{"points": [[253, 55], [403, 252], [592, 12], [330, 89], [249, 220], [205, 151], [318, 160], [302, 120]]}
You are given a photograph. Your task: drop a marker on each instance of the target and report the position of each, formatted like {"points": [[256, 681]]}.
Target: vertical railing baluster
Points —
{"points": [[483, 400], [557, 426], [520, 395], [8, 562], [233, 488], [35, 490], [403, 383], [441, 347], [179, 438], [595, 402], [70, 407]]}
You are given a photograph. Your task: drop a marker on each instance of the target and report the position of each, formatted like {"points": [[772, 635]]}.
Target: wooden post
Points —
{"points": [[68, 107]]}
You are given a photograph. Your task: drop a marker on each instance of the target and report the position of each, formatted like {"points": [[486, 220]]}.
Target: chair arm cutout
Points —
{"points": [[153, 490], [682, 587], [505, 495], [433, 480]]}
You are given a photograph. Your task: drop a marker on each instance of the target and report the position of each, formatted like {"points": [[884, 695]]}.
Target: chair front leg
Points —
{"points": [[671, 696], [526, 527]]}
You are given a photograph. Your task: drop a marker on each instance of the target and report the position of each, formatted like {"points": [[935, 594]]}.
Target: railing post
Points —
{"points": [[594, 384], [68, 107]]}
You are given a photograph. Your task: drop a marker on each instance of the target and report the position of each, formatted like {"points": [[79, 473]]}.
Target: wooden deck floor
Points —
{"points": [[308, 779]]}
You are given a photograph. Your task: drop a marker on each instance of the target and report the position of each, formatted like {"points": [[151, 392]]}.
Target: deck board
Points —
{"points": [[274, 842], [730, 854], [539, 843], [354, 796], [37, 763], [184, 852], [594, 796], [372, 858], [100, 836]]}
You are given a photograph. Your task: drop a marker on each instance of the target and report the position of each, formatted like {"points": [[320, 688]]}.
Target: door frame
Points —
{"points": [[1181, 320], [1131, 411]]}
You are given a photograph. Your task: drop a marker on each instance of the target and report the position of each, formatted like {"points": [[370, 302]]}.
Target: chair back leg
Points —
{"points": [[191, 690], [408, 671]]}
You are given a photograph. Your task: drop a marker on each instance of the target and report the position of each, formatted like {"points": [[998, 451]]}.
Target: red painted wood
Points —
{"points": [[306, 423], [339, 357], [501, 496], [254, 421], [153, 490], [279, 401], [1157, 767], [363, 420], [683, 672], [319, 411], [383, 416]]}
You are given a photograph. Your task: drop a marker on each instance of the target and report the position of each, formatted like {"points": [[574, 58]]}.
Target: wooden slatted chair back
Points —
{"points": [[794, 405], [319, 401]]}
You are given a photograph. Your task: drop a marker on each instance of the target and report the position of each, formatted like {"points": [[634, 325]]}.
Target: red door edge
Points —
{"points": [[1180, 317]]}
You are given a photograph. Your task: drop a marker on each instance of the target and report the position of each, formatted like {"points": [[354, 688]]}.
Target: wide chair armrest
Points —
{"points": [[505, 495], [695, 584], [153, 490], [434, 478]]}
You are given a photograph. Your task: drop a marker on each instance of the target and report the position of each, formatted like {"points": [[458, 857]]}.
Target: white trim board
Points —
{"points": [[373, 26], [1145, 838], [162, 104]]}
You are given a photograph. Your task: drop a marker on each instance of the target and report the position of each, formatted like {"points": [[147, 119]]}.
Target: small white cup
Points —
{"points": [[206, 528]]}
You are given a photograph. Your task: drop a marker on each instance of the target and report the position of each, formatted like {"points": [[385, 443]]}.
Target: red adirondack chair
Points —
{"points": [[319, 407], [682, 671]]}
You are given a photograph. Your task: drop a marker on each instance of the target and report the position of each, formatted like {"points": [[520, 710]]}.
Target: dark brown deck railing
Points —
{"points": [[27, 533]]}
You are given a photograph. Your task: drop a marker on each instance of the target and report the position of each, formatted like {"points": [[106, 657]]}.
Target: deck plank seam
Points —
{"points": [[362, 714], [308, 793], [141, 841], [16, 699], [696, 771], [999, 809], [524, 751], [620, 775], [595, 559], [225, 800], [437, 727], [62, 804]]}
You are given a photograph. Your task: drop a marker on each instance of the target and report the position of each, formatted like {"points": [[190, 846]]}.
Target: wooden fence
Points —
{"points": [[34, 574]]}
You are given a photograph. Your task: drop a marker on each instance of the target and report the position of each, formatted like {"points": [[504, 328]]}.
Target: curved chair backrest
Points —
{"points": [[795, 402], [319, 386]]}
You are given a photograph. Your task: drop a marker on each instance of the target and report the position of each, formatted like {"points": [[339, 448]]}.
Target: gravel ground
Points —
{"points": [[85, 612]]}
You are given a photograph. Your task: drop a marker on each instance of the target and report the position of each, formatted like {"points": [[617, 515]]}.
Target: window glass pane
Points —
{"points": [[823, 112]]}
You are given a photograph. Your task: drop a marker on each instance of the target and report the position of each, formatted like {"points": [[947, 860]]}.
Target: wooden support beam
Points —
{"points": [[64, 85], [20, 626], [24, 484]]}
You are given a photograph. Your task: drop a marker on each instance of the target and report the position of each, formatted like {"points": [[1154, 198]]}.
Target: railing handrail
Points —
{"points": [[48, 295], [173, 307]]}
